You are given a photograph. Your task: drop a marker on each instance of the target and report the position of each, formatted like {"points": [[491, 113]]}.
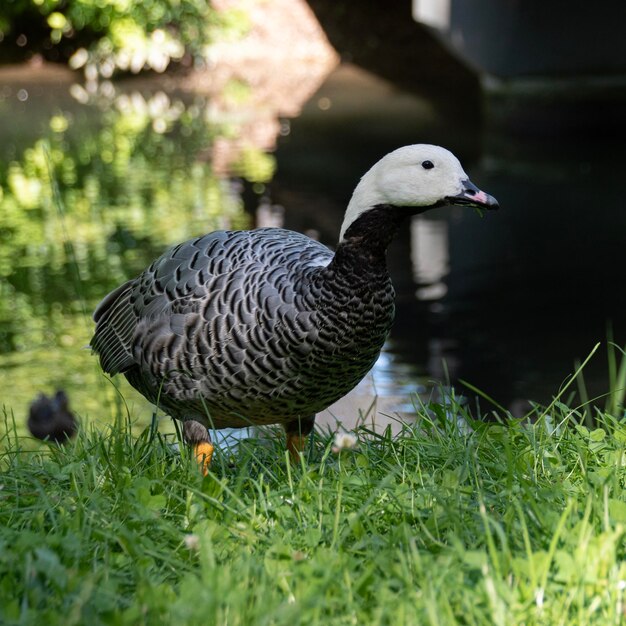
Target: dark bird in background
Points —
{"points": [[50, 419], [267, 326]]}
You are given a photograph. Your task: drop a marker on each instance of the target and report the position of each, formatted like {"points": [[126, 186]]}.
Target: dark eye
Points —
{"points": [[428, 165]]}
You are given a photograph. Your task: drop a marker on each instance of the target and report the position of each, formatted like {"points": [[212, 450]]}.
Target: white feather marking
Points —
{"points": [[320, 261]]}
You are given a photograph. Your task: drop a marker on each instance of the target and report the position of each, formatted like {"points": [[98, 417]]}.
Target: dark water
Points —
{"points": [[91, 193]]}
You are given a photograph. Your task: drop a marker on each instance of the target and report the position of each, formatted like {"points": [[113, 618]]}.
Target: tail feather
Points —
{"points": [[115, 326]]}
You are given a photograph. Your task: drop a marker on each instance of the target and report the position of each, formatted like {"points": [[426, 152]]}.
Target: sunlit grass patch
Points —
{"points": [[449, 521]]}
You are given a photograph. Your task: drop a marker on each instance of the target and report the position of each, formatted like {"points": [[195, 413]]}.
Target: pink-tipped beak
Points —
{"points": [[473, 196]]}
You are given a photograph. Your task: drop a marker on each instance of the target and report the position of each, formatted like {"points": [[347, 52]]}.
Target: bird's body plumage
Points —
{"points": [[268, 326], [247, 327]]}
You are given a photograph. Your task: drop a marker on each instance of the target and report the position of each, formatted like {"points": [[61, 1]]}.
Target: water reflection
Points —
{"points": [[101, 192], [430, 256]]}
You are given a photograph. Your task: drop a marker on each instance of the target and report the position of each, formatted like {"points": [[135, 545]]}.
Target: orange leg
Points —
{"points": [[297, 432], [295, 445]]}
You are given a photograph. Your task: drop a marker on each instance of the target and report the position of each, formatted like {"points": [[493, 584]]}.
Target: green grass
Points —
{"points": [[447, 522]]}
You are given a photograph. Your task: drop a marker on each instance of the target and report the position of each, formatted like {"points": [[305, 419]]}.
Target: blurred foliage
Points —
{"points": [[104, 36], [88, 205]]}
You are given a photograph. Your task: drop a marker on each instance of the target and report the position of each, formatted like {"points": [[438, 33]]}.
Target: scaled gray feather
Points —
{"points": [[244, 327]]}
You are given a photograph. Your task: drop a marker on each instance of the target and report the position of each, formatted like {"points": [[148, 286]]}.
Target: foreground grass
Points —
{"points": [[489, 523]]}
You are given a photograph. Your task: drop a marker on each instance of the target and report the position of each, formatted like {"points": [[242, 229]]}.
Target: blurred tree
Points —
{"points": [[92, 202], [105, 36]]}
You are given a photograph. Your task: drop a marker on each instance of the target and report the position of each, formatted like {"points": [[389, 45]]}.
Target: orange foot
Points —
{"points": [[203, 451], [197, 436]]}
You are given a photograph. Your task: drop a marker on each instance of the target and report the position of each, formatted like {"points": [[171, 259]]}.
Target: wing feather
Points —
{"points": [[115, 326], [191, 277]]}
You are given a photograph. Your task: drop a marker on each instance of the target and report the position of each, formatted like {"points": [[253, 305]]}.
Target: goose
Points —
{"points": [[268, 326]]}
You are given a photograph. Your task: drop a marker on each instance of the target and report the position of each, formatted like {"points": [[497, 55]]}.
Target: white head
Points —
{"points": [[420, 175]]}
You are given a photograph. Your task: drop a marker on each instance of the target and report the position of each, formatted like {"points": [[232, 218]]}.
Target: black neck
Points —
{"points": [[366, 240]]}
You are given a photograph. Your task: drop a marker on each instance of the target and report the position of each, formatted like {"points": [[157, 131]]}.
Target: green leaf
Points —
{"points": [[598, 434], [617, 510]]}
